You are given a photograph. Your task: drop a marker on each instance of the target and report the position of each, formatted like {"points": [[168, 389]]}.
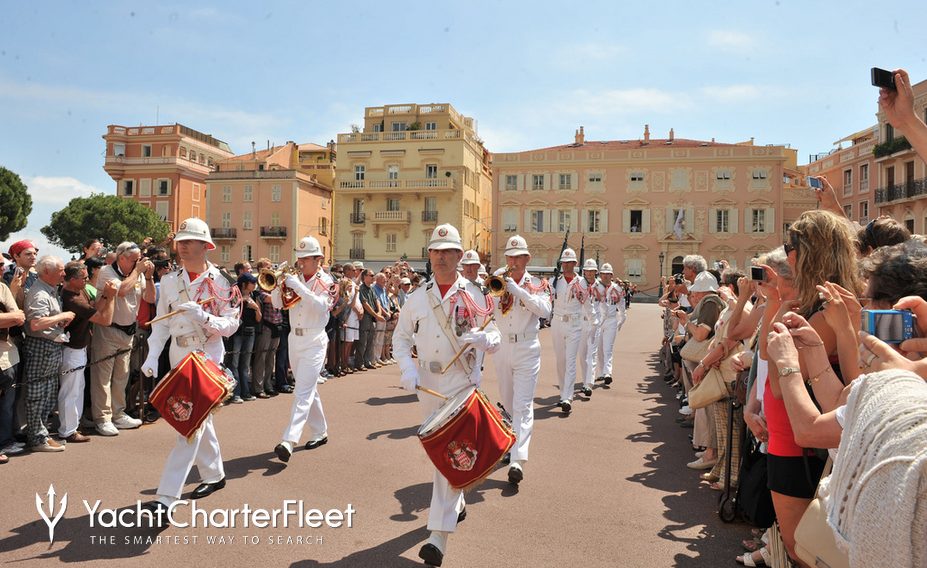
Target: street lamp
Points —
{"points": [[662, 257]]}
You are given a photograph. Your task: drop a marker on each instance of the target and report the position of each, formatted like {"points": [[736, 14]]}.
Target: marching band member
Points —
{"points": [[437, 319], [470, 267], [195, 329], [613, 317], [566, 326], [308, 344], [519, 360], [589, 298]]}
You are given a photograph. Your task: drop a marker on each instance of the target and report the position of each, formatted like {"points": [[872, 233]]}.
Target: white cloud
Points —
{"points": [[57, 191], [32, 233], [728, 39]]}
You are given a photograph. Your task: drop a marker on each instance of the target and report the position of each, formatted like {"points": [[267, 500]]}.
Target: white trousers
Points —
{"points": [[517, 369], [606, 346], [202, 450], [71, 391], [586, 353], [307, 354], [446, 502], [566, 336]]}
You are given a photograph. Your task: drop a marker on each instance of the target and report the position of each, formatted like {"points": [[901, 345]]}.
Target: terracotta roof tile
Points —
{"points": [[632, 144]]}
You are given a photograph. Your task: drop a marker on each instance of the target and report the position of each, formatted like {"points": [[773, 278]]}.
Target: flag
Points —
{"points": [[680, 224]]}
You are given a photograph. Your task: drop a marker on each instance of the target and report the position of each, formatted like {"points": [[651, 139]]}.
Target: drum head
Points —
{"points": [[446, 411]]}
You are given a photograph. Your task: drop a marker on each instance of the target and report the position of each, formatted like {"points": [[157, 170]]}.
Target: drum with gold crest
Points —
{"points": [[192, 390], [466, 437]]}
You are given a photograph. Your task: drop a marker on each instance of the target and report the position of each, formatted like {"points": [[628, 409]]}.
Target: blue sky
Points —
{"points": [[783, 72]]}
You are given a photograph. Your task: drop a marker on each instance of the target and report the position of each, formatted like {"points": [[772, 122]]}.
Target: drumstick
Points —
{"points": [[465, 347], [431, 392], [175, 312]]}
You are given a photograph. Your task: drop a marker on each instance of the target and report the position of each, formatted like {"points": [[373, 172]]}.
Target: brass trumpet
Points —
{"points": [[269, 279], [496, 283]]}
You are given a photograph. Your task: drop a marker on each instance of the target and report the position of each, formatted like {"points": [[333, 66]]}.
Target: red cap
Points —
{"points": [[20, 246]]}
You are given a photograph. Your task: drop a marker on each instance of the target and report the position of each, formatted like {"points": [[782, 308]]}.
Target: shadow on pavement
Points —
{"points": [[414, 500], [385, 554], [401, 399], [690, 508], [547, 408], [395, 433]]}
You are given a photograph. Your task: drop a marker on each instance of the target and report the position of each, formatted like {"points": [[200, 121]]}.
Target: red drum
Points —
{"points": [[466, 437], [193, 389]]}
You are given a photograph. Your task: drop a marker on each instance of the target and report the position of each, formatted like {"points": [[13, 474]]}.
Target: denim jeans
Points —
{"points": [[240, 361], [7, 402]]}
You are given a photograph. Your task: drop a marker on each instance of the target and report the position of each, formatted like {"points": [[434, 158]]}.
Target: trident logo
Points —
{"points": [[47, 517]]}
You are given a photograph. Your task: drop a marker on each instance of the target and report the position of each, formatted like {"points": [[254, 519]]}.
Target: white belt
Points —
{"points": [[301, 331], [521, 337], [189, 340], [431, 366], [567, 317]]}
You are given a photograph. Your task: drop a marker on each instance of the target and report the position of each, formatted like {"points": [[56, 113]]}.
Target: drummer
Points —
{"points": [[195, 329], [519, 360], [308, 344], [437, 319]]}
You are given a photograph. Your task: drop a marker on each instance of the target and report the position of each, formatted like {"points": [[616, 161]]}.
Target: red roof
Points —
{"points": [[634, 144]]}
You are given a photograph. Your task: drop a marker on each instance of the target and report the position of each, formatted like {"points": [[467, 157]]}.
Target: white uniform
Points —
{"points": [[308, 344], [418, 325], [566, 328], [187, 335], [518, 361], [589, 300], [613, 316]]}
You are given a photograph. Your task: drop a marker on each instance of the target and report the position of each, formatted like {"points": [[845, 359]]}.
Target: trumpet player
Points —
{"points": [[523, 301], [308, 344], [470, 267]]}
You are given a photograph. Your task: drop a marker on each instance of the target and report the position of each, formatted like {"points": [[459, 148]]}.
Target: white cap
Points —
{"points": [[516, 246], [482, 271], [194, 229], [590, 265], [358, 265], [308, 246], [606, 268], [704, 282], [569, 255], [470, 257], [445, 237], [405, 281]]}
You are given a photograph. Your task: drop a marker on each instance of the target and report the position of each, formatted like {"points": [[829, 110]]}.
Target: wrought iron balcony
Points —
{"points": [[907, 190], [273, 232], [357, 254], [358, 218], [223, 233]]}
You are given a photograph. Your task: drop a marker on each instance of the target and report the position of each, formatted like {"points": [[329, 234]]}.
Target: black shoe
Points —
{"points": [[283, 452], [316, 443], [516, 475], [598, 379], [608, 379], [158, 513], [462, 516], [566, 406], [271, 393], [372, 368], [207, 489], [587, 391], [430, 554], [506, 459], [286, 390]]}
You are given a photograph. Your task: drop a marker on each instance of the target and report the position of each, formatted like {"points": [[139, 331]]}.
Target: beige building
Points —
{"points": [[902, 181], [849, 168], [163, 167], [262, 203], [409, 168], [645, 204]]}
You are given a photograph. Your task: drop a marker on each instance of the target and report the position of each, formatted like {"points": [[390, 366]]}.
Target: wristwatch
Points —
{"points": [[786, 371]]}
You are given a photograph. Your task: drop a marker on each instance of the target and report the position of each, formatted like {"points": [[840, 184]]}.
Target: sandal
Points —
{"points": [[751, 544], [717, 485], [748, 560], [3, 458]]}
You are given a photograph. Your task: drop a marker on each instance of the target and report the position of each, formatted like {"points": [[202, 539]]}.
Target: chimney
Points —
{"points": [[252, 149], [672, 135], [580, 136], [646, 133]]}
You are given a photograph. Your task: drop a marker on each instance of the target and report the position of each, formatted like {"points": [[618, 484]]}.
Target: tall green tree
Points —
{"points": [[110, 218], [15, 203]]}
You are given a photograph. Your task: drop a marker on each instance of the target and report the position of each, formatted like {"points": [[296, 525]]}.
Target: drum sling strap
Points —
{"points": [[185, 297], [443, 320]]}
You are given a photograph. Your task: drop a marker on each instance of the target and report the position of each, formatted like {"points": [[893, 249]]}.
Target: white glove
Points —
{"points": [[150, 366], [409, 379], [481, 340], [294, 283], [514, 289], [194, 312]]}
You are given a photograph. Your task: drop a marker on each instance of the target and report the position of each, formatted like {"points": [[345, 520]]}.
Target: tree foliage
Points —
{"points": [[15, 203], [110, 218]]}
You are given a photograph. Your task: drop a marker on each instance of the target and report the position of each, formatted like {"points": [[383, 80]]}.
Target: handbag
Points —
{"points": [[754, 501], [693, 351], [712, 389], [815, 543]]}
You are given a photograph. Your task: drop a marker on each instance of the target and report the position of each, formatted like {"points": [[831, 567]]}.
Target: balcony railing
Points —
{"points": [[392, 216], [907, 190], [357, 254], [224, 233], [273, 232], [358, 218], [400, 185], [395, 136], [429, 216]]}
